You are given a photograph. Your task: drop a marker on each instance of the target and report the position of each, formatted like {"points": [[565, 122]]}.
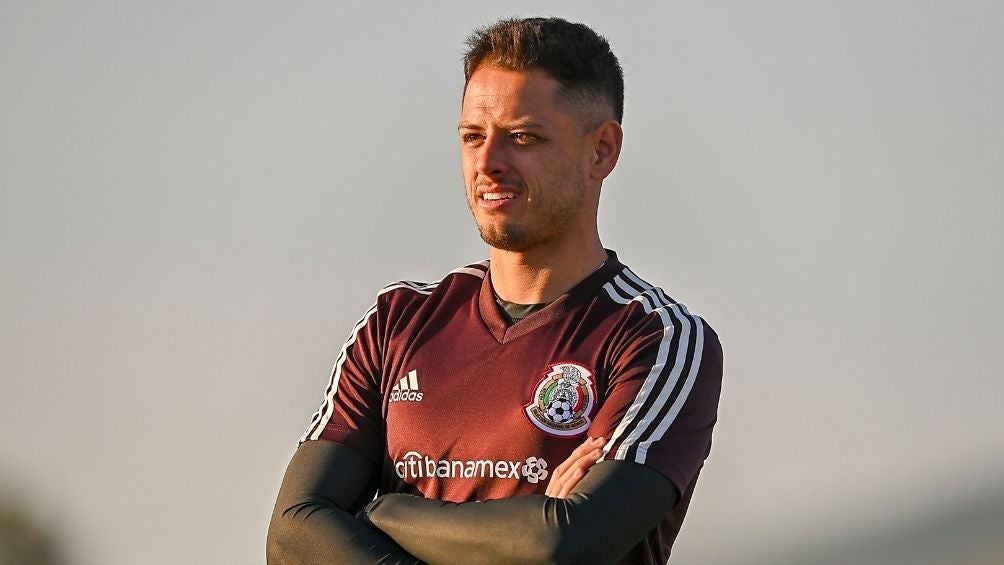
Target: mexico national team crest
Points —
{"points": [[563, 400]]}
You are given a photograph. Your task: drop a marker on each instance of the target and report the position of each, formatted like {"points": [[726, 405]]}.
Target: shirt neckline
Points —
{"points": [[503, 332]]}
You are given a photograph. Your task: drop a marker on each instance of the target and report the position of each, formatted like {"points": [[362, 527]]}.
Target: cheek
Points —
{"points": [[467, 168]]}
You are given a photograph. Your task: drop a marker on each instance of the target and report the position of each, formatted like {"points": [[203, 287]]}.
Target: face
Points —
{"points": [[525, 155]]}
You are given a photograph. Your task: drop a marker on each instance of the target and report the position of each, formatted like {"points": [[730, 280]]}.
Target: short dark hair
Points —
{"points": [[571, 53]]}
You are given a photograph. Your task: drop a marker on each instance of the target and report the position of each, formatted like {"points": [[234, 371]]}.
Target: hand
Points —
{"points": [[571, 470]]}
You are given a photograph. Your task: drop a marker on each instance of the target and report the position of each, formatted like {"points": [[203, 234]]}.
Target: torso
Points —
{"points": [[477, 431], [464, 396]]}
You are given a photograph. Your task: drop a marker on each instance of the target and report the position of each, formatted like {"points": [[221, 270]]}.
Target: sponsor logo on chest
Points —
{"points": [[415, 465]]}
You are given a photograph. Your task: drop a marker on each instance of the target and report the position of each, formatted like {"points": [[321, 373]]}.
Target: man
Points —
{"points": [[456, 401]]}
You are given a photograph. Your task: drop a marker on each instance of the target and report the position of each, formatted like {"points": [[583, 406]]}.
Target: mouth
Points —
{"points": [[493, 196], [497, 197]]}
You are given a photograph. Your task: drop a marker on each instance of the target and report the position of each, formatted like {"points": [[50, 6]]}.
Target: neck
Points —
{"points": [[542, 275]]}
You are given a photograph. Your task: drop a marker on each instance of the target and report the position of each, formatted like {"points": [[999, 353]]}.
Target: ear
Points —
{"points": [[606, 139]]}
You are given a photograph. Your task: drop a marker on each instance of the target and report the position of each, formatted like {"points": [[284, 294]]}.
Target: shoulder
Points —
{"points": [[646, 309], [641, 298], [411, 292]]}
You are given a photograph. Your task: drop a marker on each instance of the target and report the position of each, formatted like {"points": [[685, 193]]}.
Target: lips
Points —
{"points": [[497, 195], [487, 190]]}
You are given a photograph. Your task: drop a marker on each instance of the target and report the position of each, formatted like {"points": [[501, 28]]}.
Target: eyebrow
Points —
{"points": [[512, 126]]}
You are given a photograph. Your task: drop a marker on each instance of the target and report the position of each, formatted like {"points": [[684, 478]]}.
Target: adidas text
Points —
{"points": [[409, 395], [406, 389]]}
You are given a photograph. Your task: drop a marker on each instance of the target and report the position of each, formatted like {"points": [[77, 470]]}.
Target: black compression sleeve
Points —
{"points": [[313, 521], [604, 516]]}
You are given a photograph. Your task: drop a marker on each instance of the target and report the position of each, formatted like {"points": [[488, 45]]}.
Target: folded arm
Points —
{"points": [[313, 521], [608, 512]]}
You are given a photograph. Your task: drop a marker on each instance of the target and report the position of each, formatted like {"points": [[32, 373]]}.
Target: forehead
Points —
{"points": [[495, 94]]}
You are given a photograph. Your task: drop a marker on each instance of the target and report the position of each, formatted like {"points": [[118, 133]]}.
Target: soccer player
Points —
{"points": [[547, 405]]}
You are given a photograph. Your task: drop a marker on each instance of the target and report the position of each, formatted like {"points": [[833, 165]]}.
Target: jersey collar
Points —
{"points": [[578, 295]]}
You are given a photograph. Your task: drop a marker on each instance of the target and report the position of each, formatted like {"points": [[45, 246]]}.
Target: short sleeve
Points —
{"points": [[350, 413], [662, 396]]}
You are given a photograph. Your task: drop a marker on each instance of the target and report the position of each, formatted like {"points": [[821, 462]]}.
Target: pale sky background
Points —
{"points": [[198, 199]]}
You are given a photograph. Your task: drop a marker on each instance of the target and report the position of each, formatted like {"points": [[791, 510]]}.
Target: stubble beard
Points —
{"points": [[506, 237], [512, 236]]}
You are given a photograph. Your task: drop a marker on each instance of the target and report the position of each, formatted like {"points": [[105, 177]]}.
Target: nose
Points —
{"points": [[492, 157]]}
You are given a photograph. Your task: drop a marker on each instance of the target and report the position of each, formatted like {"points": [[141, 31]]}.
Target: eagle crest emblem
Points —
{"points": [[563, 400]]}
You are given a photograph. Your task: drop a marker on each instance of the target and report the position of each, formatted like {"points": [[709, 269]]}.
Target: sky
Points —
{"points": [[198, 200]]}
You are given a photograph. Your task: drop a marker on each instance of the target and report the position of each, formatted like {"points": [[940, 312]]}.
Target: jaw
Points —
{"points": [[501, 234]]}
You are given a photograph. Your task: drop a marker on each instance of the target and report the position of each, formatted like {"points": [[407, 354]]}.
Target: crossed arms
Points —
{"points": [[664, 386], [591, 513]]}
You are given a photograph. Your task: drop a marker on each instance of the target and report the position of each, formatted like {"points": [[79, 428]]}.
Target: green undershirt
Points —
{"points": [[514, 312]]}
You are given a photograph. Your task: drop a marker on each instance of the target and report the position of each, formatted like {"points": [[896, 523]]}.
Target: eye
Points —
{"points": [[471, 138], [523, 138]]}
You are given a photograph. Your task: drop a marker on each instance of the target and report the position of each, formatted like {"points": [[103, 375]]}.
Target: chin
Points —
{"points": [[507, 238]]}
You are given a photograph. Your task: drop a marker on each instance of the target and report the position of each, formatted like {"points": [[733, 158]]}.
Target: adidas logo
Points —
{"points": [[406, 389]]}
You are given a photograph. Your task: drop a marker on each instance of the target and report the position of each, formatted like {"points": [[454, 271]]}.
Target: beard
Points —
{"points": [[506, 237], [544, 221]]}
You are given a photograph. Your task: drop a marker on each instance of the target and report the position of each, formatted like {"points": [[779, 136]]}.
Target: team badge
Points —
{"points": [[563, 400]]}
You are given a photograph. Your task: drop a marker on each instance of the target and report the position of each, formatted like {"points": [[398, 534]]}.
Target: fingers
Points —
{"points": [[585, 447], [577, 472], [560, 485], [571, 470]]}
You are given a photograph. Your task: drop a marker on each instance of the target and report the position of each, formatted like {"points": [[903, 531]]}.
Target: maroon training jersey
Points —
{"points": [[455, 404]]}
